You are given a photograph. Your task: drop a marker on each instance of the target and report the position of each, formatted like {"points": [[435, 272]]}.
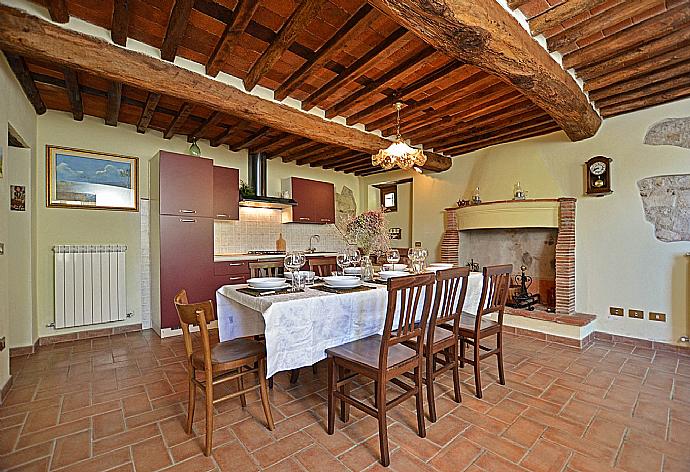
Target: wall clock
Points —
{"points": [[598, 176]]}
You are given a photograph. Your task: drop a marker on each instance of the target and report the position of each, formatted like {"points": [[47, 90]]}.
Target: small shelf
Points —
{"points": [[532, 213]]}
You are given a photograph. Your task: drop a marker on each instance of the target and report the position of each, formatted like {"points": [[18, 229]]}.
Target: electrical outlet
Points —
{"points": [[653, 316], [638, 314], [615, 311]]}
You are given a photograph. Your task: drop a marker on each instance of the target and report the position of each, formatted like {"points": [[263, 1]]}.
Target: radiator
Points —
{"points": [[90, 285]]}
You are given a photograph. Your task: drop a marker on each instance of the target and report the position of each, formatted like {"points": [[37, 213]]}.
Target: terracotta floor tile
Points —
{"points": [[638, 458], [283, 448], [150, 455], [108, 424], [546, 456], [316, 458], [196, 444], [53, 432], [524, 432], [127, 438], [493, 463], [363, 455], [606, 432], [252, 435], [39, 465], [25, 455], [457, 455], [71, 449], [336, 444], [102, 462], [233, 457], [503, 447]]}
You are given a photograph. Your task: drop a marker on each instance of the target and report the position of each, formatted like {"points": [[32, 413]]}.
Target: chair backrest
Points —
{"points": [[406, 295], [322, 266], [265, 269], [195, 314], [495, 287], [449, 298]]}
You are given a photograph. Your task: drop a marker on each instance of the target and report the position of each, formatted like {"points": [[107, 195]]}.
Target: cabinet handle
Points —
{"points": [[235, 278], [235, 264], [327, 220], [187, 220], [187, 211], [222, 215], [304, 218]]}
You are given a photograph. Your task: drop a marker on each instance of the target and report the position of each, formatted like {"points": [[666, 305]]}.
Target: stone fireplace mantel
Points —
{"points": [[532, 213]]}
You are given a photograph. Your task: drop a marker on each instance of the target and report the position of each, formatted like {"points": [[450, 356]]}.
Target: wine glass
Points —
{"points": [[342, 260], [292, 262], [353, 256], [393, 257], [414, 254], [423, 253]]}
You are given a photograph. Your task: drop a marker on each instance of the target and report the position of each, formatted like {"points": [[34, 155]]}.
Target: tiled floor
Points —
{"points": [[118, 404]]}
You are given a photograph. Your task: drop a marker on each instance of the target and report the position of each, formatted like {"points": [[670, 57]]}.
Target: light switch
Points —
{"points": [[616, 311], [653, 316], [637, 314]]}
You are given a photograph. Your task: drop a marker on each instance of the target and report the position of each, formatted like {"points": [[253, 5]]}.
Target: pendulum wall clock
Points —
{"points": [[598, 176]]}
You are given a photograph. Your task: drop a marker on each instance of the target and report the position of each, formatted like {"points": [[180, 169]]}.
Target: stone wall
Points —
{"points": [[666, 202]]}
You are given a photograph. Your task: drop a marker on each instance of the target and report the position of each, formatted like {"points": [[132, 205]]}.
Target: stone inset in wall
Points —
{"points": [[666, 202], [345, 205], [671, 131]]}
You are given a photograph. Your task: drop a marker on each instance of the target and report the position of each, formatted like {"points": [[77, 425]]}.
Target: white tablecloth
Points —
{"points": [[300, 327]]}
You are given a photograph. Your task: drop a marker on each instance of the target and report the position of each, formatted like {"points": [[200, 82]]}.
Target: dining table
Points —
{"points": [[300, 326]]}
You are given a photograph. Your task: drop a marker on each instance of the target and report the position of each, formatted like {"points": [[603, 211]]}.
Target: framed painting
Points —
{"points": [[91, 180]]}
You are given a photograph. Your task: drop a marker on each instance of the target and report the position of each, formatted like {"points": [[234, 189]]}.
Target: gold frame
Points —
{"points": [[51, 151]]}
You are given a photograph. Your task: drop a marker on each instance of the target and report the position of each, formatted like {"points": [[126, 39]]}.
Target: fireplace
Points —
{"points": [[537, 233]]}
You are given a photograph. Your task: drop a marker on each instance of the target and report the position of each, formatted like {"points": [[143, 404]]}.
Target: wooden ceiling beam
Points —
{"points": [[233, 31], [482, 33], [22, 33], [509, 134], [362, 160], [355, 69], [74, 93], [177, 25], [546, 129], [58, 10], [253, 138], [148, 111], [401, 94], [296, 142], [178, 121], [623, 61], [648, 30], [647, 101], [318, 161], [642, 81], [112, 112], [609, 17], [331, 163], [561, 12], [334, 44], [119, 29], [306, 157], [304, 14], [359, 167], [361, 95], [652, 89], [513, 4], [213, 120], [21, 72], [296, 152], [372, 171]]}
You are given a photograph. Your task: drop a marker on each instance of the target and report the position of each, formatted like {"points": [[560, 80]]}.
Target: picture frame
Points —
{"points": [[91, 180], [17, 198]]}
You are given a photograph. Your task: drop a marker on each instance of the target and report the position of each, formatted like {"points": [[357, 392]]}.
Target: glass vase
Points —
{"points": [[367, 269]]}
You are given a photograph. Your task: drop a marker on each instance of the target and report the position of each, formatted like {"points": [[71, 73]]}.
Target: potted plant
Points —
{"points": [[369, 232]]}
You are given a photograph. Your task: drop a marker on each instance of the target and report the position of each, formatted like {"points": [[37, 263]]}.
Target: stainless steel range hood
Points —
{"points": [[257, 182]]}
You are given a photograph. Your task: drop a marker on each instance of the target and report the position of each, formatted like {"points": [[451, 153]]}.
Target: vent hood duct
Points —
{"points": [[257, 182]]}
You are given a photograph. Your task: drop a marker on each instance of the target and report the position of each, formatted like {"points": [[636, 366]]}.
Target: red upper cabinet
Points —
{"points": [[186, 185], [226, 193], [315, 201]]}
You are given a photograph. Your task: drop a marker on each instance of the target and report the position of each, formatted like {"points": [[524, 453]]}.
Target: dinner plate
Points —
{"points": [[342, 281], [387, 274], [279, 287], [394, 267], [353, 284], [266, 282]]}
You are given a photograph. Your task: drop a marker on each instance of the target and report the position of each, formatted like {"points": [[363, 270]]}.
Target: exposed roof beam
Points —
{"points": [[647, 101], [644, 91], [508, 134], [513, 4], [178, 121], [324, 53], [365, 92], [336, 162], [22, 74], [337, 152], [119, 28], [296, 152], [229, 133], [666, 73], [38, 38], [335, 158], [114, 99], [356, 69], [253, 138], [290, 146], [147, 113], [74, 93], [307, 157], [213, 120], [233, 31], [564, 11], [482, 33], [177, 25], [58, 10], [304, 14]]}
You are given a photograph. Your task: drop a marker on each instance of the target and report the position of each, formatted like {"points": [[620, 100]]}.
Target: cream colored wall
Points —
{"points": [[63, 226], [619, 261], [402, 218], [16, 110]]}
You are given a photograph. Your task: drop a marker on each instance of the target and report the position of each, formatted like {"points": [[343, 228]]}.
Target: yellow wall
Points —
{"points": [[619, 261], [67, 226], [15, 110]]}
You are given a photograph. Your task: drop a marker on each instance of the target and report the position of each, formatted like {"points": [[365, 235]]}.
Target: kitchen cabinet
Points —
{"points": [[226, 193], [184, 184], [315, 201]]}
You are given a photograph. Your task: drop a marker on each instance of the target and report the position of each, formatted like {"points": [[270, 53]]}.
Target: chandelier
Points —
{"points": [[399, 153]]}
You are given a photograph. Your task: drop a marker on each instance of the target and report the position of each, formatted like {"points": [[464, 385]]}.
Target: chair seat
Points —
{"points": [[468, 320], [229, 352], [366, 352]]}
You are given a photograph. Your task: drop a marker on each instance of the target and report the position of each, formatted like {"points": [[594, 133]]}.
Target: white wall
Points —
{"points": [[65, 226], [16, 110]]}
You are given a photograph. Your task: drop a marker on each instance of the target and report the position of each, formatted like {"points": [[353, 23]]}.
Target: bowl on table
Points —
{"points": [[307, 275], [267, 283], [389, 274], [394, 267], [342, 281]]}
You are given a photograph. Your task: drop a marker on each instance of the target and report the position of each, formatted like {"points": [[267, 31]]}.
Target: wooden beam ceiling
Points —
{"points": [[482, 33], [74, 93], [58, 10], [120, 24], [147, 113], [559, 13], [20, 71], [114, 100], [233, 31], [37, 38], [300, 18], [178, 121], [177, 25]]}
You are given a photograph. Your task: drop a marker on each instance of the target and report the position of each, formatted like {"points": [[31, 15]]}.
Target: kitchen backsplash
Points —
{"points": [[258, 229]]}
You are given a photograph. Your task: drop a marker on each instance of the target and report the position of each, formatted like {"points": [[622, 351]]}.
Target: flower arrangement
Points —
{"points": [[369, 231]]}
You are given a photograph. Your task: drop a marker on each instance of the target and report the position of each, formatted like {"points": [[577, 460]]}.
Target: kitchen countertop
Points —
{"points": [[260, 257]]}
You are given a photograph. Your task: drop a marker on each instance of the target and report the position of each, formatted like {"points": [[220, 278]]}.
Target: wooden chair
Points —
{"points": [[225, 361], [323, 266], [474, 328], [384, 358], [449, 298], [265, 269]]}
